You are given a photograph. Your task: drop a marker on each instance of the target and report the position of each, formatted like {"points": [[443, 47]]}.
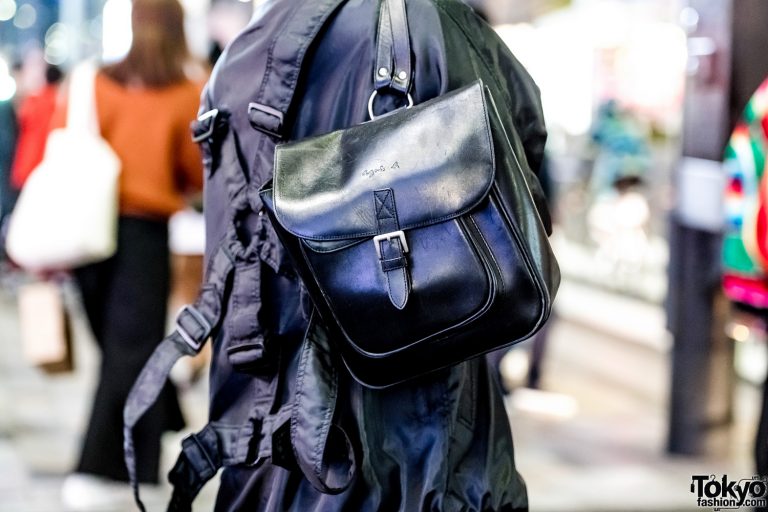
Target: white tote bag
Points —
{"points": [[66, 215]]}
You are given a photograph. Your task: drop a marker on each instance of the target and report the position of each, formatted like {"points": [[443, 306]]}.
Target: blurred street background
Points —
{"points": [[645, 375]]}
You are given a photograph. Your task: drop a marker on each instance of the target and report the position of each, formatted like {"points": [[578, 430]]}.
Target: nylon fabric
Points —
{"points": [[437, 443]]}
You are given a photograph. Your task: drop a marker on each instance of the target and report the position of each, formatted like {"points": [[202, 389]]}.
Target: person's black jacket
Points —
{"points": [[441, 442]]}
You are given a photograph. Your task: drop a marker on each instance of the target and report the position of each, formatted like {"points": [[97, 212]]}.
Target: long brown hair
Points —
{"points": [[158, 51]]}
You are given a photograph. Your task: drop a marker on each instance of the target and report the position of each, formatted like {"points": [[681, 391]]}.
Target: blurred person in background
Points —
{"points": [[621, 145], [145, 105], [35, 113], [24, 125], [619, 215], [745, 243]]}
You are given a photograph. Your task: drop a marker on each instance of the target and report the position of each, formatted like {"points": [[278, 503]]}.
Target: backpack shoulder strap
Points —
{"points": [[292, 437], [267, 112], [196, 323]]}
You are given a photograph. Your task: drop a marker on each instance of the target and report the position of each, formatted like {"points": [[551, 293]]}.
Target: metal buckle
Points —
{"points": [[389, 236], [194, 344], [209, 116]]}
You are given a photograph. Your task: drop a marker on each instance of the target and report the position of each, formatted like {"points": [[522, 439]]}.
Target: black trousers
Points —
{"points": [[125, 300]]}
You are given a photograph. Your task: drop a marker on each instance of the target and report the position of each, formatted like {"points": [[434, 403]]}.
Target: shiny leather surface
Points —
{"points": [[475, 271], [323, 185]]}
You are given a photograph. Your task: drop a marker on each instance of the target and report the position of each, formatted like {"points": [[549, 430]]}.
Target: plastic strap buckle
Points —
{"points": [[195, 342]]}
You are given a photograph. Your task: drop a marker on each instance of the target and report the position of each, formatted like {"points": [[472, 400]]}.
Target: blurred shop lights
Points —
{"points": [[56, 44], [26, 16], [7, 9], [598, 50]]}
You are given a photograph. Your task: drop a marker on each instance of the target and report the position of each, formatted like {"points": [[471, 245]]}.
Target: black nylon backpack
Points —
{"points": [[251, 292]]}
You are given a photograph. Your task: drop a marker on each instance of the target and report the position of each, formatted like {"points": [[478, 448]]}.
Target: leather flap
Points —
{"points": [[437, 157]]}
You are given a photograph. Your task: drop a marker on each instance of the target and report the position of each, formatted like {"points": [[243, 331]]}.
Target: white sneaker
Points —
{"points": [[89, 493]]}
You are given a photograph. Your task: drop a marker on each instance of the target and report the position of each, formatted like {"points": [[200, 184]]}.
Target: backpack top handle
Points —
{"points": [[393, 69]]}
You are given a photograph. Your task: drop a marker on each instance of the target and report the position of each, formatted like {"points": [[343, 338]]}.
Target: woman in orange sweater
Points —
{"points": [[145, 104]]}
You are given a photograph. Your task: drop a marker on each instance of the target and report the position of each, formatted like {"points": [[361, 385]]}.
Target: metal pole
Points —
{"points": [[700, 373]]}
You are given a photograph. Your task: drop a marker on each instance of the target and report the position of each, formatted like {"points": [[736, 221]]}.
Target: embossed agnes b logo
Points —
{"points": [[373, 171]]}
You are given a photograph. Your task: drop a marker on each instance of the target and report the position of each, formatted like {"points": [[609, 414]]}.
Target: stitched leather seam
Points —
{"points": [[490, 251], [385, 202], [536, 278]]}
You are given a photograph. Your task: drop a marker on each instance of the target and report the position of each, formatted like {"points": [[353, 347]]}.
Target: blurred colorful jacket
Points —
{"points": [[34, 118], [745, 243]]}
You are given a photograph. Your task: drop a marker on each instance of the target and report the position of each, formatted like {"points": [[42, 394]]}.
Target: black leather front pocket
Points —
{"points": [[451, 282]]}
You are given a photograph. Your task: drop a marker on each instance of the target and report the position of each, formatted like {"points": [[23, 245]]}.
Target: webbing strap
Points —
{"points": [[217, 444], [194, 325], [300, 435], [198, 462], [286, 55], [322, 448]]}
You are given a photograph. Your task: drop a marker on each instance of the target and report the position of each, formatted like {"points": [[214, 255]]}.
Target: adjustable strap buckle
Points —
{"points": [[265, 119], [195, 449], [392, 257], [206, 125], [202, 327], [399, 234]]}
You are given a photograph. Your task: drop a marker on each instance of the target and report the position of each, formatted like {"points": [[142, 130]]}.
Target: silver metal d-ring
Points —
{"points": [[373, 95]]}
